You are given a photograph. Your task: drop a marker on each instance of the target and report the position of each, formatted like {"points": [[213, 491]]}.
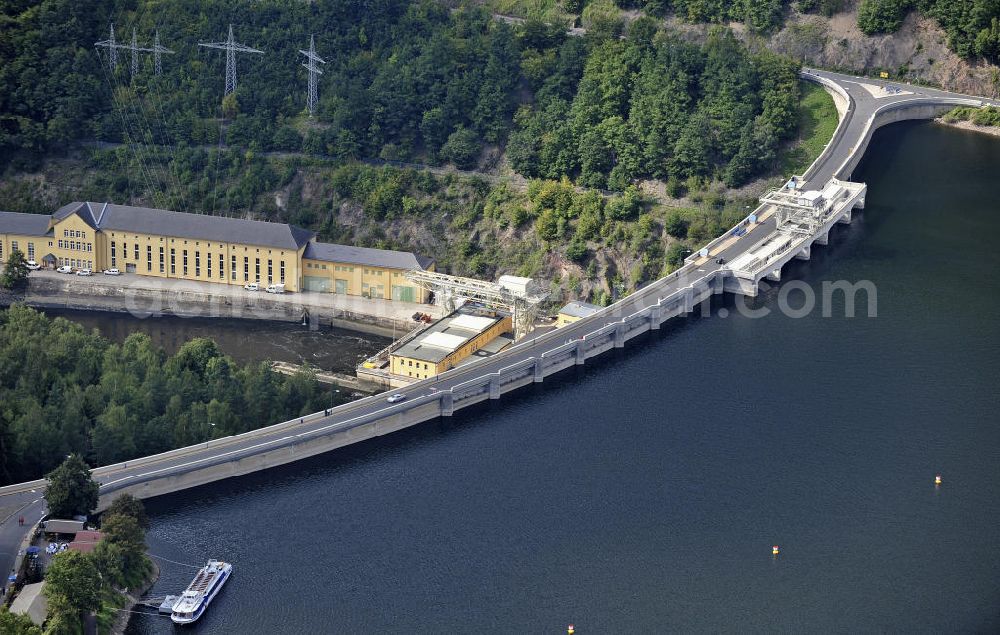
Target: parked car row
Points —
{"points": [[84, 271], [271, 288]]}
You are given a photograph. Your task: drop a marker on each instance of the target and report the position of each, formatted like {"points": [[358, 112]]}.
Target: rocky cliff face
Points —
{"points": [[918, 52]]}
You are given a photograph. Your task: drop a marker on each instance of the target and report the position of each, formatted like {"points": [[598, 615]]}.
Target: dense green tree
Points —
{"points": [[15, 273], [71, 490], [14, 624], [676, 225], [126, 541], [65, 390], [128, 505], [882, 16], [462, 148], [72, 586]]}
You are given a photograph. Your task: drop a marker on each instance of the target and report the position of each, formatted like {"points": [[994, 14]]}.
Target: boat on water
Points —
{"points": [[206, 584]]}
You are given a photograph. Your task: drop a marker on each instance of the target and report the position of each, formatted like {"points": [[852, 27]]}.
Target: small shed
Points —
{"points": [[31, 602], [57, 526], [574, 311]]}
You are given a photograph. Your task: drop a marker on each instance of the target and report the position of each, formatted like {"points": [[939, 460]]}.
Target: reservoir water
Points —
{"points": [[644, 492]]}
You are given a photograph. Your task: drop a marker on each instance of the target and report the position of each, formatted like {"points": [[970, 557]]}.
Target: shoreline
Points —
{"points": [[993, 131], [132, 598]]}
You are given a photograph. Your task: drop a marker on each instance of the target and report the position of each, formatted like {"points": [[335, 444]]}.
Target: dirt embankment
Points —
{"points": [[131, 599], [968, 125]]}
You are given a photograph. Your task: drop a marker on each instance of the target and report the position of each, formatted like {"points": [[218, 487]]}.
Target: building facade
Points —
{"points": [[574, 311], [202, 248], [467, 331]]}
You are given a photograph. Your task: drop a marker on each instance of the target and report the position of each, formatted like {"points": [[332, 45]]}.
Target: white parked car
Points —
{"points": [[112, 272], [396, 398], [84, 272], [32, 265], [252, 286], [64, 269], [275, 288]]}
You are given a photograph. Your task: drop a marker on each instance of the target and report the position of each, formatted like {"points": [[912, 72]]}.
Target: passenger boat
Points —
{"points": [[200, 593]]}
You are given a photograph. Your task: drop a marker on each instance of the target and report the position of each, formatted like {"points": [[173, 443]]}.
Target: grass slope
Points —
{"points": [[818, 120]]}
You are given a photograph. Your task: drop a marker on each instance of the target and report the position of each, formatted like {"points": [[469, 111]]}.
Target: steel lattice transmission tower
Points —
{"points": [[135, 54], [314, 73], [112, 47], [231, 48], [134, 47], [157, 50]]}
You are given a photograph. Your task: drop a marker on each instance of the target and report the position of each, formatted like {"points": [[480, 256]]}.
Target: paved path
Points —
{"points": [[227, 300]]}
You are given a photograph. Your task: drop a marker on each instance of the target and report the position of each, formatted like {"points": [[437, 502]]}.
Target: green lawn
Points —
{"points": [[817, 122]]}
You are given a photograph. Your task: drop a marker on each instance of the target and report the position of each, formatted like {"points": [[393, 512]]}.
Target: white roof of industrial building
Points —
{"points": [[447, 335], [472, 322], [831, 191], [580, 309], [447, 341]]}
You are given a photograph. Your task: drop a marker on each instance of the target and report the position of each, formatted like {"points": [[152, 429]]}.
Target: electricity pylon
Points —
{"points": [[231, 48], [314, 73]]}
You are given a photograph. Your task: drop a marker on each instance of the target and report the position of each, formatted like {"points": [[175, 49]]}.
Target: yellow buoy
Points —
{"points": [[937, 479], [774, 550]]}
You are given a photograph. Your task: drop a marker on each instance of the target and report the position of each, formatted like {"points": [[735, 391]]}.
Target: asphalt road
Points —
{"points": [[862, 107]]}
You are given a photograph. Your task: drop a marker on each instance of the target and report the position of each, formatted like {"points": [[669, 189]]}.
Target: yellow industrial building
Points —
{"points": [[470, 330], [202, 248], [575, 311]]}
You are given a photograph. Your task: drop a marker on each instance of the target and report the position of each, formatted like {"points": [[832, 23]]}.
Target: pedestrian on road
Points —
{"points": [[20, 521]]}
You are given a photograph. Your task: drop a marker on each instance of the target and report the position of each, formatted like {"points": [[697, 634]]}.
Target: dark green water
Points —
{"points": [[247, 341], [643, 493]]}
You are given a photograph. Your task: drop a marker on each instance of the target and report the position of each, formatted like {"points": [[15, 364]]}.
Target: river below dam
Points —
{"points": [[643, 493], [246, 341]]}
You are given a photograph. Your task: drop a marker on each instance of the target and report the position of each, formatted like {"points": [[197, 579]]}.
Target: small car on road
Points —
{"points": [[112, 272], [64, 269], [32, 265], [252, 286], [396, 398], [84, 272]]}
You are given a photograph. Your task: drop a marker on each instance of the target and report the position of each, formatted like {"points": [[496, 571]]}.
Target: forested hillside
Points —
{"points": [[64, 390], [404, 81]]}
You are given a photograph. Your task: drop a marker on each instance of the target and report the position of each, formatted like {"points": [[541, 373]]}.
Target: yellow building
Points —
{"points": [[371, 273], [198, 247], [574, 311], [27, 233], [468, 331]]}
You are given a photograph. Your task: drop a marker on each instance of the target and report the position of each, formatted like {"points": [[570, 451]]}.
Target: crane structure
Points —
{"points": [[520, 296], [231, 48], [314, 73]]}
